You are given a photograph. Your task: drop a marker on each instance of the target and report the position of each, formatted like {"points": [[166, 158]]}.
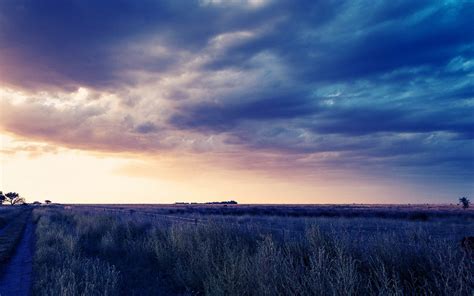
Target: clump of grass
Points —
{"points": [[61, 268], [96, 254]]}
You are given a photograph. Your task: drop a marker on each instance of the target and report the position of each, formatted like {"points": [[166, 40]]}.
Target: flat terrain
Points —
{"points": [[198, 249], [308, 210], [236, 250], [441, 220]]}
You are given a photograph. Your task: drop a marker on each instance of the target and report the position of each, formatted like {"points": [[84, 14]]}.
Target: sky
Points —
{"points": [[260, 101]]}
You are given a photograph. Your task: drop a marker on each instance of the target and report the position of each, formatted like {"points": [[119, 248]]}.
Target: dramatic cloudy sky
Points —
{"points": [[261, 101]]}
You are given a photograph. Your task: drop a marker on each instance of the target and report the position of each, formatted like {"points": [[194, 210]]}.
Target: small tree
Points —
{"points": [[47, 201], [2, 198], [465, 202], [14, 198]]}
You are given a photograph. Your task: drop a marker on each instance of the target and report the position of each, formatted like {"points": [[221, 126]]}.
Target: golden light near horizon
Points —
{"points": [[65, 175]]}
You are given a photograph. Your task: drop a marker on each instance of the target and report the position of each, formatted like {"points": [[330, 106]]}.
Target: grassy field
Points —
{"points": [[253, 250], [412, 212]]}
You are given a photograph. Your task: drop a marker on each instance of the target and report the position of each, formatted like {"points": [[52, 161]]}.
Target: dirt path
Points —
{"points": [[16, 277]]}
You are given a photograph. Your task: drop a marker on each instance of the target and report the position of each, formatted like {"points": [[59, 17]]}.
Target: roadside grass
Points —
{"points": [[8, 214], [100, 254], [11, 232], [81, 255]]}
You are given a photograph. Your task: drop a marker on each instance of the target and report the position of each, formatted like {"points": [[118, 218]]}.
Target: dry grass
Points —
{"points": [[13, 226], [100, 254], [8, 214]]}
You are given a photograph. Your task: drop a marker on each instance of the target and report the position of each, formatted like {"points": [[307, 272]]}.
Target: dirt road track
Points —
{"points": [[15, 279]]}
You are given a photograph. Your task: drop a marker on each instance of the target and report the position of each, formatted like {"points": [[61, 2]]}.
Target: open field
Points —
{"points": [[160, 250], [241, 249], [414, 212]]}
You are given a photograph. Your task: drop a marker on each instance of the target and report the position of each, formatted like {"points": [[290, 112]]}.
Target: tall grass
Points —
{"points": [[79, 254], [221, 260], [8, 214], [60, 268], [83, 255], [11, 232]]}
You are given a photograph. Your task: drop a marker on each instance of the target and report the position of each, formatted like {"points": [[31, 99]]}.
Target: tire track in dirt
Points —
{"points": [[15, 279]]}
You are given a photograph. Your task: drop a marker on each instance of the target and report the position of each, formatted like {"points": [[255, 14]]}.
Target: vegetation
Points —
{"points": [[12, 197], [226, 202], [411, 212], [464, 202], [12, 224], [94, 253], [7, 216], [83, 255]]}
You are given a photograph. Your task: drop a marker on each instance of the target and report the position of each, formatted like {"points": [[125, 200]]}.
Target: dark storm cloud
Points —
{"points": [[82, 42], [328, 47], [392, 46], [146, 127], [222, 117], [377, 83], [368, 43], [358, 121]]}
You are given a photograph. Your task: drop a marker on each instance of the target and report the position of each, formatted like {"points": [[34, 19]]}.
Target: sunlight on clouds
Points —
{"points": [[59, 100], [248, 3], [226, 40], [15, 97], [11, 146]]}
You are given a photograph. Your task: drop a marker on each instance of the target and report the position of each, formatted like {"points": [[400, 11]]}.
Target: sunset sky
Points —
{"points": [[261, 101]]}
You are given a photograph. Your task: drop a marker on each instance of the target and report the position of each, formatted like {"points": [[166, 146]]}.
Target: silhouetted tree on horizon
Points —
{"points": [[2, 198], [14, 198], [47, 201], [465, 202]]}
